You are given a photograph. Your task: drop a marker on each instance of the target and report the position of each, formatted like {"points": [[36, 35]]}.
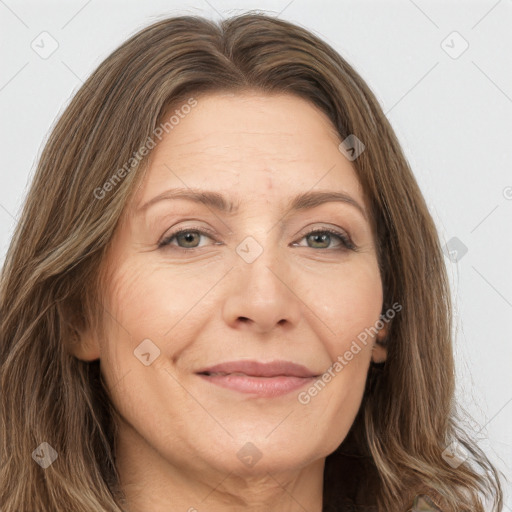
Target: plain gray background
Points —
{"points": [[443, 75]]}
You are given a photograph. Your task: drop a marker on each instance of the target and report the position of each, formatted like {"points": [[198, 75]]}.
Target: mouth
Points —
{"points": [[261, 379]]}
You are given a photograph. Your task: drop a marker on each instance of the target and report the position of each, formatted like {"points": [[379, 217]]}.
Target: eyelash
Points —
{"points": [[346, 243]]}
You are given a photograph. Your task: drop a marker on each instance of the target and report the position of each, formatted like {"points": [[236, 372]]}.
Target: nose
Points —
{"points": [[261, 295]]}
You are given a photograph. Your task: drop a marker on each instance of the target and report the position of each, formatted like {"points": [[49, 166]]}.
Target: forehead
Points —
{"points": [[250, 145]]}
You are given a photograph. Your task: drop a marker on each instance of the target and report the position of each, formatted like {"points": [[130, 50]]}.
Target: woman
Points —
{"points": [[226, 293]]}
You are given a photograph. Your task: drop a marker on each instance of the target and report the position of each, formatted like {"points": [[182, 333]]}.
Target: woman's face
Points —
{"points": [[246, 282]]}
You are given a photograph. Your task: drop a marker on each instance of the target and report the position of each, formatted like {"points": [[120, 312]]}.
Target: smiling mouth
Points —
{"points": [[223, 374], [259, 379]]}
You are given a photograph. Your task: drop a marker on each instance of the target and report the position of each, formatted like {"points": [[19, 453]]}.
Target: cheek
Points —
{"points": [[152, 302], [140, 307], [130, 315], [349, 303], [148, 301]]}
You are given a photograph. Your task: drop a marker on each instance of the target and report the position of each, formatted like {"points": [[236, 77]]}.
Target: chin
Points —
{"points": [[263, 454]]}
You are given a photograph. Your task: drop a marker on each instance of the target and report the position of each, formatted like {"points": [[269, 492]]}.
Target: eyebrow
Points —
{"points": [[217, 201]]}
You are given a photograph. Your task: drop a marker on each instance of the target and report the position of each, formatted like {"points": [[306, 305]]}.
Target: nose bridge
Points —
{"points": [[260, 236], [261, 291], [261, 261]]}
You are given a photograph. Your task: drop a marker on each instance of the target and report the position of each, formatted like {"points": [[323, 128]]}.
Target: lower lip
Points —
{"points": [[261, 386]]}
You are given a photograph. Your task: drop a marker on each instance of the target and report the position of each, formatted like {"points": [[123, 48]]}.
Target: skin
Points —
{"points": [[303, 299]]}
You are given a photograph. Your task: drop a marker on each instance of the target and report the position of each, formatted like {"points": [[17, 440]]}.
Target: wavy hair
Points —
{"points": [[51, 284]]}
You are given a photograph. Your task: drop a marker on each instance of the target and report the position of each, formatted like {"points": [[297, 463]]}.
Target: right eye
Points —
{"points": [[187, 236]]}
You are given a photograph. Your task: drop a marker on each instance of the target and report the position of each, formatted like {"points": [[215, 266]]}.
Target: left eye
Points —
{"points": [[323, 235], [191, 237]]}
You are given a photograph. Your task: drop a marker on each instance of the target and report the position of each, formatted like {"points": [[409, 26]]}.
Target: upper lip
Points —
{"points": [[257, 369]]}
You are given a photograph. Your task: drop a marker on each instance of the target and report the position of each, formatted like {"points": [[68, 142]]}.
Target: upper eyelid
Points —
{"points": [[210, 232]]}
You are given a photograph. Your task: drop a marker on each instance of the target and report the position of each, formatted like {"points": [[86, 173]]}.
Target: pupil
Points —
{"points": [[320, 238], [189, 237]]}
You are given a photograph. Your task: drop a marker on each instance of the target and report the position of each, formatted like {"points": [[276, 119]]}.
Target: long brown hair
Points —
{"points": [[51, 280]]}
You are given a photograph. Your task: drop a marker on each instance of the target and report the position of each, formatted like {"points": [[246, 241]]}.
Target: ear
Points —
{"points": [[379, 351], [83, 346], [78, 337]]}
